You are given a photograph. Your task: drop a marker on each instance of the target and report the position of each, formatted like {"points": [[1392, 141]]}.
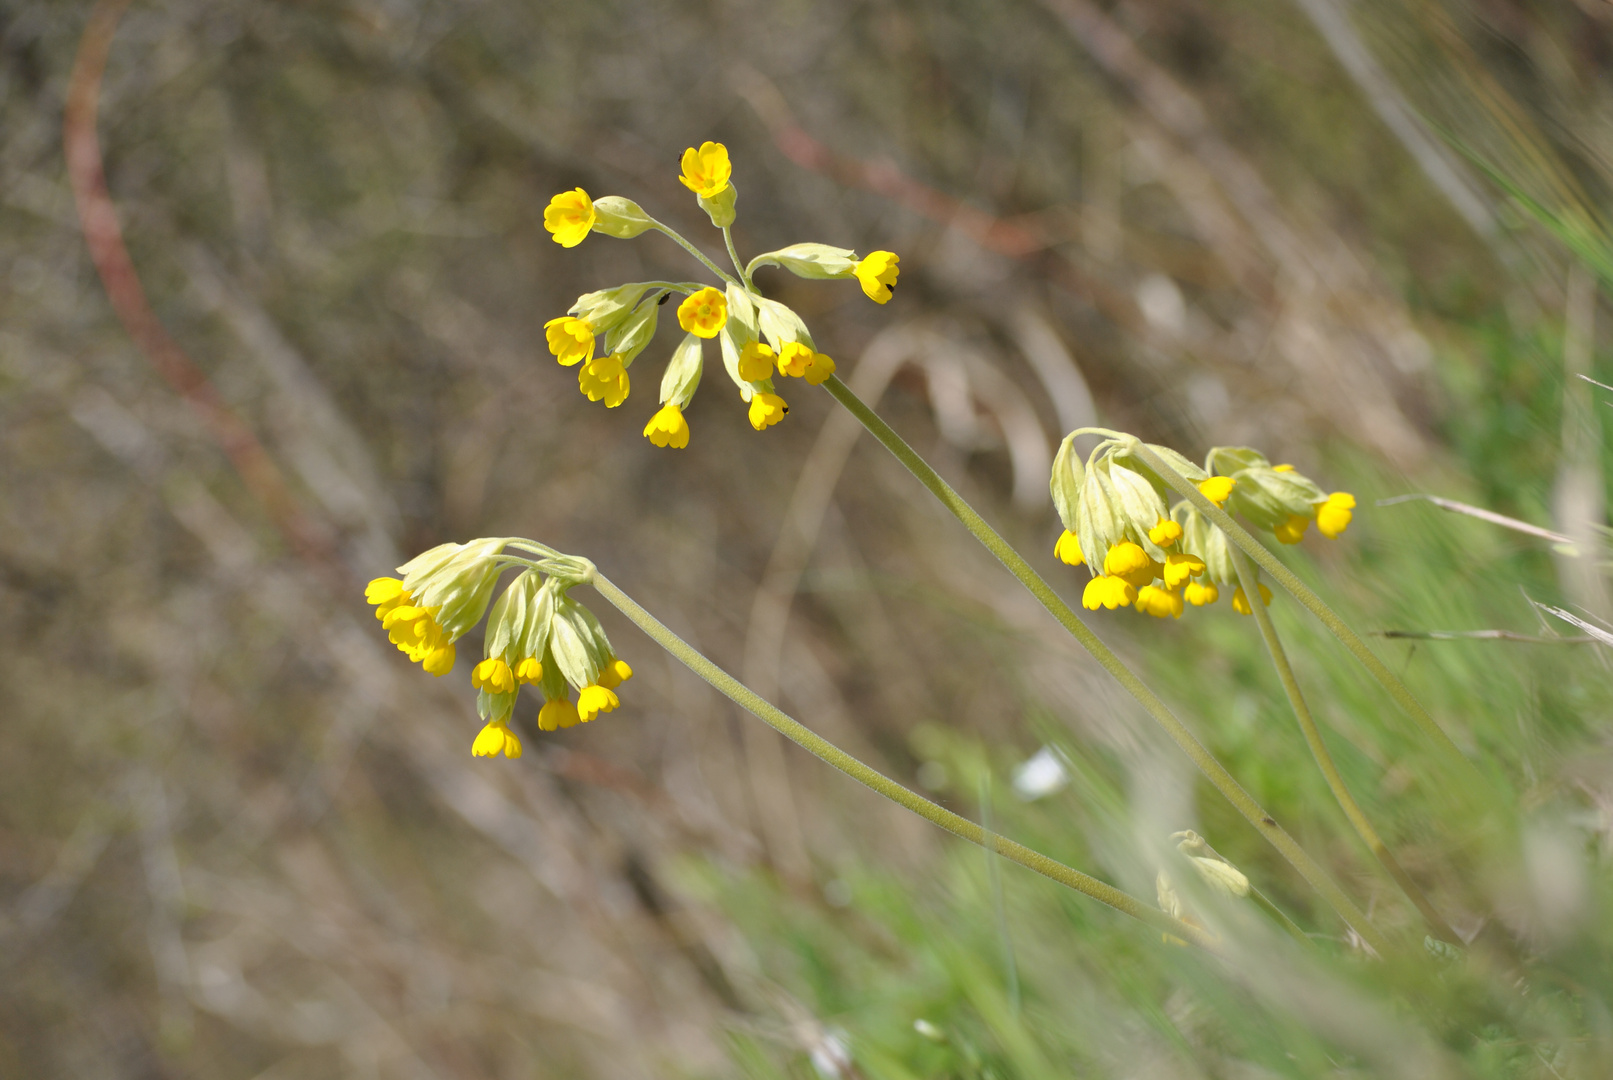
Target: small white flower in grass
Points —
{"points": [[1040, 775]]}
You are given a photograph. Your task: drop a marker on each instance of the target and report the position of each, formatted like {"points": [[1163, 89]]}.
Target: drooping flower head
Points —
{"points": [[569, 216]]}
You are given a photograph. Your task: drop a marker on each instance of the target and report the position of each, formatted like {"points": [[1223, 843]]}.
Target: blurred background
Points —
{"points": [[297, 338]]}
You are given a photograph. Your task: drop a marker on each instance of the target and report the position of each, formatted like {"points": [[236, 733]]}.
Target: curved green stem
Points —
{"points": [[733, 254], [1302, 592], [1217, 774], [1324, 759], [677, 238], [802, 736]]}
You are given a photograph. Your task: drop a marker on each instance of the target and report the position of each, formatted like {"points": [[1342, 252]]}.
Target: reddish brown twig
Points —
{"points": [[99, 221]]}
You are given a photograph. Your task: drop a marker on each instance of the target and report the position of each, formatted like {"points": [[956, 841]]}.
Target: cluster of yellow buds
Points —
{"points": [[1116, 522], [536, 634], [758, 337]]}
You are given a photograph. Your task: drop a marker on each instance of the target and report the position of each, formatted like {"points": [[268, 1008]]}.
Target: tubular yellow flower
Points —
{"points": [[1068, 549], [494, 739], [494, 676], [1200, 593], [570, 340], [704, 314], [1152, 600], [569, 215], [414, 630], [707, 171], [614, 674], [794, 359], [1240, 602], [1333, 516], [1217, 489], [877, 275], [1107, 592], [1179, 567], [529, 671], [820, 369], [593, 700], [766, 410], [668, 427], [1292, 531], [1282, 468], [604, 379], [756, 362], [1130, 562], [1166, 533], [556, 714], [385, 593]]}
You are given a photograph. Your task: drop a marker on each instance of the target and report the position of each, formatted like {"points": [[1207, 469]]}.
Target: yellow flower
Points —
{"points": [[593, 700], [1200, 593], [706, 171], [414, 630], [1166, 533], [1152, 600], [1108, 592], [794, 359], [559, 713], [496, 737], [605, 379], [494, 676], [571, 340], [1333, 516], [569, 215], [614, 674], [1179, 566], [877, 275], [1130, 562], [1068, 549], [1217, 489], [766, 410], [756, 362], [1240, 602], [1292, 531], [529, 671], [668, 427], [820, 369], [704, 313], [1282, 468]]}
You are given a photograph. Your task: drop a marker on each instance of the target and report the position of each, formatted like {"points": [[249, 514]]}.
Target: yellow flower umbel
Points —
{"points": [[704, 313], [877, 275], [570, 217], [758, 337], [536, 634]]}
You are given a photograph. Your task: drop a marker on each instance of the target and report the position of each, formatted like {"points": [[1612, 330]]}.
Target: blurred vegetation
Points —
{"points": [[239, 838]]}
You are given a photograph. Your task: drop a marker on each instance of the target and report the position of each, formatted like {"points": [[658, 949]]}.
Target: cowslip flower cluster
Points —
{"points": [[1159, 560], [536, 634], [758, 338]]}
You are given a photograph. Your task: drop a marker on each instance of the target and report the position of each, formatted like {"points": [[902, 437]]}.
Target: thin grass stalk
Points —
{"points": [[1324, 759], [828, 752], [1214, 771], [1303, 593]]}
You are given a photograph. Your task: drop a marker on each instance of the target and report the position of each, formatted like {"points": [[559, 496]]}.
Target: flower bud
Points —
{"points": [[780, 325], [619, 217]]}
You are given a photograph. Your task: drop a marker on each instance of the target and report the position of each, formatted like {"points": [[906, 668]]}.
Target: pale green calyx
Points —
{"points": [[780, 325], [819, 262], [1065, 483], [456, 580], [628, 338], [605, 309], [720, 207], [1200, 537], [682, 372], [578, 643], [621, 218]]}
